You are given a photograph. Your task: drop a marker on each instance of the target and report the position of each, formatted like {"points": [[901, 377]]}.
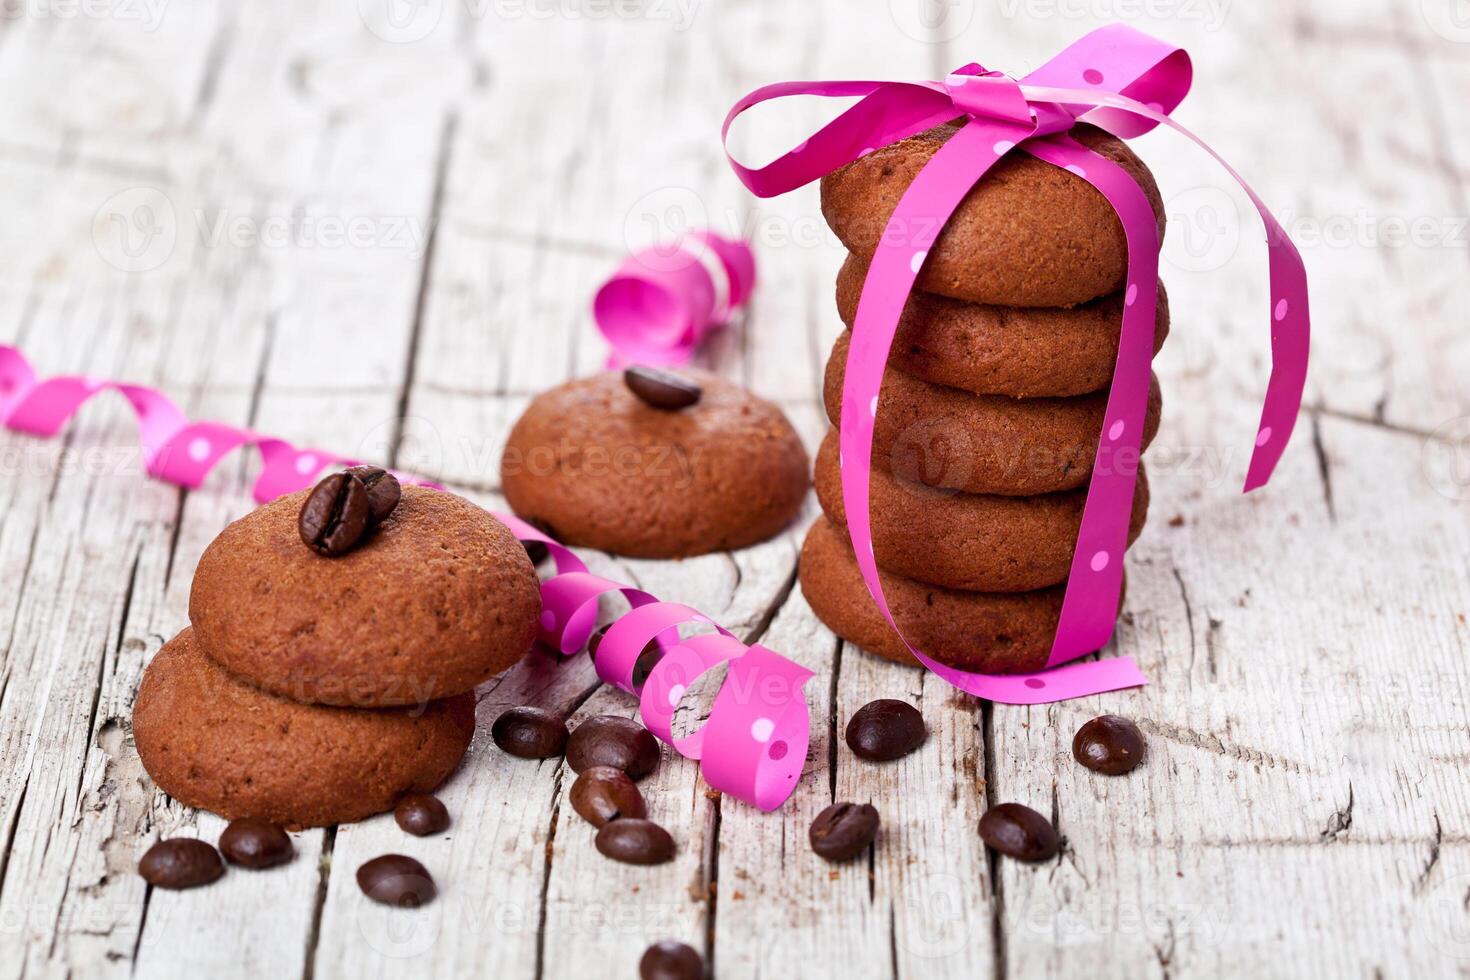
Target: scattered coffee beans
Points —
{"points": [[421, 814], [669, 960], [530, 733], [843, 830], [382, 489], [1109, 745], [635, 841], [396, 880], [661, 389], [1020, 832], [603, 794], [253, 843], [884, 730], [608, 740], [182, 862], [335, 515]]}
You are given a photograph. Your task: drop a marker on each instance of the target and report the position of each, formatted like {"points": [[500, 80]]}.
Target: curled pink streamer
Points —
{"points": [[753, 744], [1123, 81], [660, 303]]}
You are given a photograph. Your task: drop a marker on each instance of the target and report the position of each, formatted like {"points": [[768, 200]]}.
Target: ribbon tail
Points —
{"points": [[1291, 325]]}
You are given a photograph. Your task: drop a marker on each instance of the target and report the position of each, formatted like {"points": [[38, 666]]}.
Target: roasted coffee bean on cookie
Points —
{"points": [[1109, 745], [884, 730], [530, 733], [668, 960], [181, 862], [421, 814], [383, 490], [662, 389], [1019, 832], [608, 740], [256, 844], [603, 794], [635, 841], [843, 831], [335, 515], [397, 880]]}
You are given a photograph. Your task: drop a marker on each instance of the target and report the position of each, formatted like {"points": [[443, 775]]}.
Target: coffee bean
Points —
{"points": [[635, 841], [396, 880], [661, 389], [595, 640], [603, 794], [608, 740], [1109, 745], [536, 551], [257, 844], [843, 830], [335, 515], [884, 730], [421, 814], [1020, 832], [668, 960], [530, 733], [182, 862], [383, 491]]}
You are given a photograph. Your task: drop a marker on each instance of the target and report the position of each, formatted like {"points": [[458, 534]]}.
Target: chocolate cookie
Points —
{"points": [[989, 632], [945, 437], [1028, 234], [971, 541], [214, 742], [1002, 350], [601, 467], [438, 598]]}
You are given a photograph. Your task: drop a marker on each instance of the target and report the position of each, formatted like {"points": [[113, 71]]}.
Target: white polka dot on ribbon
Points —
{"points": [[761, 729]]}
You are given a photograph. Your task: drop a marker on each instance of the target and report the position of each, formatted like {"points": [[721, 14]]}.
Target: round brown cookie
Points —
{"points": [[1029, 234], [599, 467], [1002, 350], [438, 598], [945, 437], [981, 542], [988, 632], [220, 744]]}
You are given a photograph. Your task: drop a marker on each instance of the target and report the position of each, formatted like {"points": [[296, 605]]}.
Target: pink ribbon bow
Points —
{"points": [[1120, 80]]}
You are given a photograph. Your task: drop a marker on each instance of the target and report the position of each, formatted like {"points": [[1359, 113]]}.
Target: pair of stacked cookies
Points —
{"points": [[318, 686], [990, 410]]}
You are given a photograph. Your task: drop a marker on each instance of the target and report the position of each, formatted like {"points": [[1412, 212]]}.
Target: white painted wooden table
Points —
{"points": [[375, 227]]}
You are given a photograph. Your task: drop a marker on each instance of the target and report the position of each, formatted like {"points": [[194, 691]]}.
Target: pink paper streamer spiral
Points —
{"points": [[661, 303], [752, 746], [1123, 81]]}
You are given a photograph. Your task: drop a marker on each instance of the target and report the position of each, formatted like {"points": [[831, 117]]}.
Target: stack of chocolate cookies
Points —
{"points": [[990, 410], [333, 653]]}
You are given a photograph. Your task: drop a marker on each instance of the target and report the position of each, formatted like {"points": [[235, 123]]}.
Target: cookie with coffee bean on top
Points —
{"points": [[311, 599], [655, 464]]}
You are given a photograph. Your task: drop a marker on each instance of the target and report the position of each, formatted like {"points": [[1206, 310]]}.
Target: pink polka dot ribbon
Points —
{"points": [[662, 302], [753, 744], [1123, 81]]}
